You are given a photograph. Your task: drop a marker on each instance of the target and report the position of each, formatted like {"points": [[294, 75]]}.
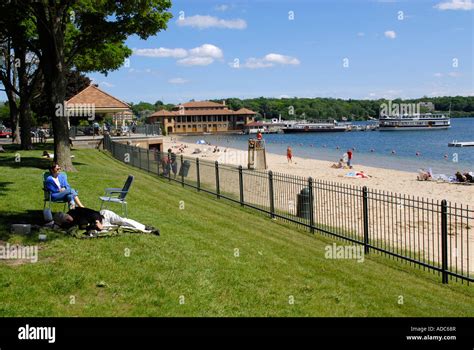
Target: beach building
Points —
{"points": [[94, 103], [202, 117]]}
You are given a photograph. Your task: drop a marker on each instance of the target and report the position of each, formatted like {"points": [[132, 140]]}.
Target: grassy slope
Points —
{"points": [[194, 258]]}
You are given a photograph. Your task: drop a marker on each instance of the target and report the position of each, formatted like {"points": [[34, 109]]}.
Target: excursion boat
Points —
{"points": [[426, 121], [313, 127]]}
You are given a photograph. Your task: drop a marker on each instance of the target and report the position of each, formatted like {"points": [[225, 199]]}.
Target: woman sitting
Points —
{"points": [[339, 165], [57, 185]]}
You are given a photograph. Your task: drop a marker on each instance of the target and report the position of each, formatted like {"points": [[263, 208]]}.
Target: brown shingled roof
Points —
{"points": [[163, 113], [202, 104], [93, 95], [245, 111]]}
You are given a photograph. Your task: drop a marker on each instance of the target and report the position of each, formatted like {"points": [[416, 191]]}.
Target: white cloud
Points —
{"points": [[267, 61], [465, 5], [206, 50], [203, 22], [454, 74], [361, 34], [161, 52], [199, 56], [438, 75], [106, 84], [177, 81], [281, 59], [222, 7], [390, 34], [196, 61]]}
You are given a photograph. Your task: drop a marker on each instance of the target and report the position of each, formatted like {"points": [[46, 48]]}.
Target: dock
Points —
{"points": [[461, 144]]}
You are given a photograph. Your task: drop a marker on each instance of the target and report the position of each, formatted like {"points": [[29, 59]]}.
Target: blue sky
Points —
{"points": [[427, 49]]}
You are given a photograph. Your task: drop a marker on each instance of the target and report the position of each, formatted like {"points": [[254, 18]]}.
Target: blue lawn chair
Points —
{"points": [[117, 195]]}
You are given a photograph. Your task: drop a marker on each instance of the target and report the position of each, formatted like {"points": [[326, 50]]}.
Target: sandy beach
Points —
{"points": [[388, 180]]}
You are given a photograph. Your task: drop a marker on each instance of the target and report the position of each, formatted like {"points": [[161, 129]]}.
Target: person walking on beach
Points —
{"points": [[289, 154], [349, 158]]}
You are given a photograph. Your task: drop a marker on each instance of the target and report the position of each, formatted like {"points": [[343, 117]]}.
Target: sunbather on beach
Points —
{"points": [[460, 177], [338, 165]]}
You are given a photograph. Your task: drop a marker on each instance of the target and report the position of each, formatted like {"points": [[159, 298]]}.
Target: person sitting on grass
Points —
{"points": [[92, 220], [57, 185]]}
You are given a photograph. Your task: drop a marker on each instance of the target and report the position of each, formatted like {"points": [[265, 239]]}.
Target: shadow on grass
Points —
{"points": [[4, 187], [36, 147], [32, 217], [30, 162]]}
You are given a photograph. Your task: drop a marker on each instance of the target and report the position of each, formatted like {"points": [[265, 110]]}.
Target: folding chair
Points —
{"points": [[117, 195], [47, 195]]}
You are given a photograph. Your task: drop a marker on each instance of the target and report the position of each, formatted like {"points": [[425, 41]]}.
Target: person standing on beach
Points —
{"points": [[289, 154], [349, 158]]}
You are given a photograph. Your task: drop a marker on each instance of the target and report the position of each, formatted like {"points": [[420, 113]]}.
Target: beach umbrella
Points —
{"points": [[201, 142]]}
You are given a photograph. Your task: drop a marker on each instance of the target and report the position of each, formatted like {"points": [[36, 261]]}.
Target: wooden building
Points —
{"points": [[202, 117]]}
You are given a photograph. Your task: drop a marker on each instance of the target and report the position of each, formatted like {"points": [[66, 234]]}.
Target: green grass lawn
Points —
{"points": [[192, 268]]}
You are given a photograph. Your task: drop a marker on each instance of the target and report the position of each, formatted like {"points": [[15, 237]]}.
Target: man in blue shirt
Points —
{"points": [[59, 188]]}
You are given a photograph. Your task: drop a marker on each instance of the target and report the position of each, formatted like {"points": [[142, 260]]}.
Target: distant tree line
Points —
{"points": [[332, 108], [322, 108]]}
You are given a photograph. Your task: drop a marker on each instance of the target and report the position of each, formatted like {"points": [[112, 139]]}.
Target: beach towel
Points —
{"points": [[357, 175]]}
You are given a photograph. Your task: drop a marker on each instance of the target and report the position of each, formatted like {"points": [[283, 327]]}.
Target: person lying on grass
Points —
{"points": [[57, 185], [92, 220]]}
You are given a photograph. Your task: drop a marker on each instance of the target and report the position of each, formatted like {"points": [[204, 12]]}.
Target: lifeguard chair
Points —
{"points": [[257, 157]]}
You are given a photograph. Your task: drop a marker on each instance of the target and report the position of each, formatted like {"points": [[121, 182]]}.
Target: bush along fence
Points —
{"points": [[433, 235]]}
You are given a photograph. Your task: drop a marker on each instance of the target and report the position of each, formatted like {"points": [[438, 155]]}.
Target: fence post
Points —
{"points": [[169, 166], [139, 157], [198, 175], [218, 187], [182, 172], [148, 159], [365, 206], [158, 160], [272, 197], [241, 185], [311, 204], [444, 240]]}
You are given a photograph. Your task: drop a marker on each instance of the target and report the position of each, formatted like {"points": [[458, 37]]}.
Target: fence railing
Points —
{"points": [[433, 235]]}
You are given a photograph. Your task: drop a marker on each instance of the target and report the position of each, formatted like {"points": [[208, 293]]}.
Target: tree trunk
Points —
{"points": [[25, 100], [16, 127], [25, 125], [13, 116], [51, 31]]}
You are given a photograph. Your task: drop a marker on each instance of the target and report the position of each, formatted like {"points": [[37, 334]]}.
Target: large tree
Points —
{"points": [[19, 70], [89, 35]]}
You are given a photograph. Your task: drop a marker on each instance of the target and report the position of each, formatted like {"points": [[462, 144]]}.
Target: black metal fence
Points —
{"points": [[433, 235]]}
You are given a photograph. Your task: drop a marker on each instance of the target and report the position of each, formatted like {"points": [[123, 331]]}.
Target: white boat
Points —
{"points": [[303, 127], [425, 121]]}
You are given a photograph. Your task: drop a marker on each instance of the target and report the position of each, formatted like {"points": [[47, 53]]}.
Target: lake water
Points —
{"points": [[373, 148]]}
